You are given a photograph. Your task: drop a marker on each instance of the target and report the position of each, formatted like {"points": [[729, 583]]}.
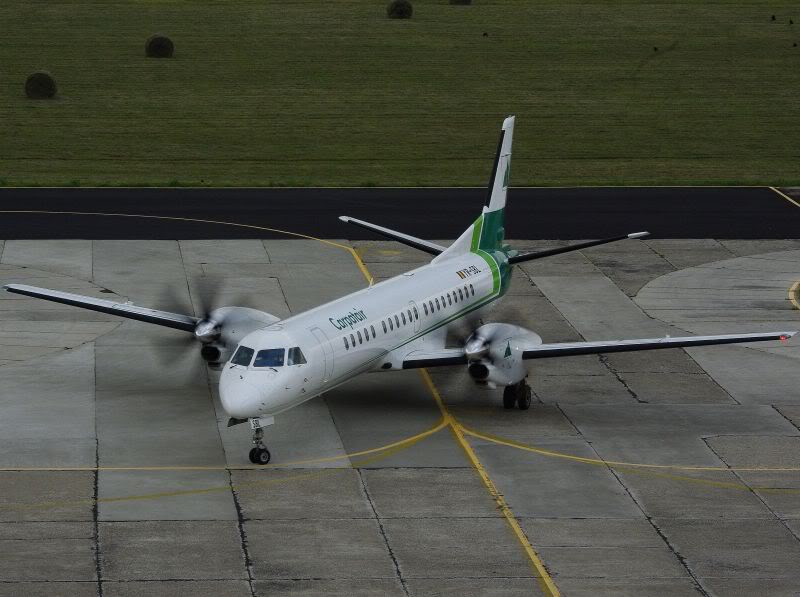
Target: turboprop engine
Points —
{"points": [[494, 353], [222, 329]]}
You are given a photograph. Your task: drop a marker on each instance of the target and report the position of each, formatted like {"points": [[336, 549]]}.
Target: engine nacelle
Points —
{"points": [[495, 352], [228, 326]]}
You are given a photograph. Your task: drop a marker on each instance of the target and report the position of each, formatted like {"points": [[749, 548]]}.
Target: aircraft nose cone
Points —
{"points": [[239, 398]]}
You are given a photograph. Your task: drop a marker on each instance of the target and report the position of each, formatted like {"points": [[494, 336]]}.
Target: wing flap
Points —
{"points": [[576, 348], [176, 321], [439, 358]]}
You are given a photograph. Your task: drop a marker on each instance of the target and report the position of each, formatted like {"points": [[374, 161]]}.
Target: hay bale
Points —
{"points": [[159, 46], [40, 85], [399, 9], [461, 2]]}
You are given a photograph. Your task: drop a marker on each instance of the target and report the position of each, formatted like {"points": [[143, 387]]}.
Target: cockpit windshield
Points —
{"points": [[270, 357], [243, 356]]}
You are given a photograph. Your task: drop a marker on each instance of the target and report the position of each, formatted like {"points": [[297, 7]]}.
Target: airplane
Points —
{"points": [[270, 365]]}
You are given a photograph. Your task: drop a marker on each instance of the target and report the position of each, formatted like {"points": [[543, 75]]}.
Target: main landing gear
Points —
{"points": [[519, 394], [259, 454]]}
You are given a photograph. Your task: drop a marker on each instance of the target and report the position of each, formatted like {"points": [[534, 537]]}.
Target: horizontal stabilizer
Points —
{"points": [[176, 321], [411, 241], [576, 247], [575, 348]]}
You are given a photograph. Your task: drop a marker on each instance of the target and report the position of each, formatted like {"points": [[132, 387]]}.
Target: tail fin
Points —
{"points": [[487, 232]]}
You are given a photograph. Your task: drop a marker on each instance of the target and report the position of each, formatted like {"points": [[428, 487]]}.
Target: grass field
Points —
{"points": [[334, 93]]}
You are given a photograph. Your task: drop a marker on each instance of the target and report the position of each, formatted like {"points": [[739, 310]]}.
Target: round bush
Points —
{"points": [[399, 9], [461, 2], [159, 46], [40, 85]]}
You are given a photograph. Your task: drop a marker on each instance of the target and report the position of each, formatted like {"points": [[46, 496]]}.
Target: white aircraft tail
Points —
{"points": [[487, 233]]}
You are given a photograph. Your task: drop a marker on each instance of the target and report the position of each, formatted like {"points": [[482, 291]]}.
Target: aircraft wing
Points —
{"points": [[176, 321], [456, 356], [438, 358], [573, 348]]}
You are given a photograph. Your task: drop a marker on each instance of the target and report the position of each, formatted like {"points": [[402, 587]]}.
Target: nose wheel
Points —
{"points": [[259, 454], [518, 394]]}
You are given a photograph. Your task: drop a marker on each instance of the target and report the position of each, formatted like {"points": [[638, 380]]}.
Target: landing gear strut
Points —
{"points": [[259, 454], [519, 394]]}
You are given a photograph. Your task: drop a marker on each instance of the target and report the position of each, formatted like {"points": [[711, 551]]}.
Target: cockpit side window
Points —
{"points": [[243, 356], [296, 357], [270, 357]]}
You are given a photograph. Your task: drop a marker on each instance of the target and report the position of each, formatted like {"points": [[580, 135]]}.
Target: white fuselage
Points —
{"points": [[371, 329]]}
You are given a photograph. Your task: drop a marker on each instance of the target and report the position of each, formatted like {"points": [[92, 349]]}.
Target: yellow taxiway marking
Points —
{"points": [[350, 250], [398, 444], [396, 447], [785, 196], [794, 294], [615, 463], [544, 578]]}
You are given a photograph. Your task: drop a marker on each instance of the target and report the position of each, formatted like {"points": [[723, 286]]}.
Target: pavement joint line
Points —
{"points": [[543, 576], [785, 196], [794, 294]]}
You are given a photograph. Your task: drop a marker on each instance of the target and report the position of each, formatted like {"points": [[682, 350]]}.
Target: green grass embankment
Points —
{"points": [[334, 93]]}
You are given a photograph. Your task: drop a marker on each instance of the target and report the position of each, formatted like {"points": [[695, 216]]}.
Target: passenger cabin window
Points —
{"points": [[353, 340], [449, 300], [437, 304], [416, 313], [271, 357], [295, 357], [372, 329], [425, 308], [358, 333], [397, 320], [472, 289], [403, 315], [460, 294], [346, 345], [391, 325], [243, 356], [384, 326], [466, 291]]}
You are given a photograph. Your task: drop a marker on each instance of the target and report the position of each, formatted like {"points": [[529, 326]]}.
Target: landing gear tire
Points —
{"points": [[509, 397], [259, 454], [524, 396]]}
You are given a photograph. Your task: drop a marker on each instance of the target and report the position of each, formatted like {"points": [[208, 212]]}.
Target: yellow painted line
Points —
{"points": [[794, 294], [631, 465], [785, 196], [544, 578], [352, 251], [400, 443], [397, 447]]}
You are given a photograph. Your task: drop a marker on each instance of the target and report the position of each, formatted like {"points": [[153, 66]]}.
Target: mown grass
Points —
{"points": [[334, 93]]}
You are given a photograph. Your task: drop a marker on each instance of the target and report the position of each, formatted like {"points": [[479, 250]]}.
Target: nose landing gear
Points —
{"points": [[519, 394], [259, 454]]}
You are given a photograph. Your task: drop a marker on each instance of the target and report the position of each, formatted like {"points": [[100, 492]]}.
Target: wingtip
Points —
{"points": [[638, 234], [345, 218]]}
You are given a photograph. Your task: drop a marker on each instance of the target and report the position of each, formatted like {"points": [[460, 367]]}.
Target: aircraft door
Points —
{"points": [[327, 351], [417, 318]]}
